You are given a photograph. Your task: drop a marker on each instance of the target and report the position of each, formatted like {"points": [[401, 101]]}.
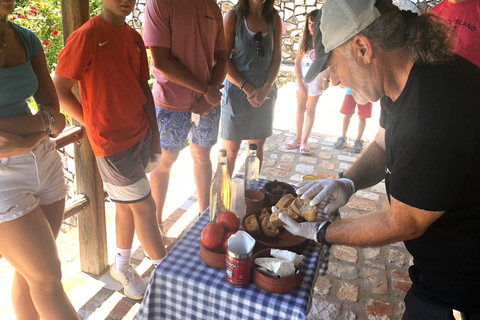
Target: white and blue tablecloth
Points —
{"points": [[183, 287]]}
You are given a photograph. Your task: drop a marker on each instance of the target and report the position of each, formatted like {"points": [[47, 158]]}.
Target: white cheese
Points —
{"points": [[287, 255], [280, 266]]}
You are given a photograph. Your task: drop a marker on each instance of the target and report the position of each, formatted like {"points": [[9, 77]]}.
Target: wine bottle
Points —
{"points": [[221, 188], [252, 167]]}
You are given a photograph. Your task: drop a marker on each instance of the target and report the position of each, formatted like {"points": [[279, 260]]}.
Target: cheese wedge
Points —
{"points": [[287, 255], [281, 267]]}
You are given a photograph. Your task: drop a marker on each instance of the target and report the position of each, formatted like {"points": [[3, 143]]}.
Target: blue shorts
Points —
{"points": [[175, 127]]}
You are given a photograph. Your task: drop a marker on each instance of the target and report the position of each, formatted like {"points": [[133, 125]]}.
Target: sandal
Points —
{"points": [[357, 146], [340, 143], [304, 149], [292, 144]]}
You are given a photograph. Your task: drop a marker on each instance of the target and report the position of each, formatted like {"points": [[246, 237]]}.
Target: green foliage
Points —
{"points": [[95, 7], [45, 20]]}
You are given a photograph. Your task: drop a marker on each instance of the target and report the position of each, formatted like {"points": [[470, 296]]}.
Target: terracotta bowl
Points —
{"points": [[254, 199], [212, 258], [273, 193], [273, 284]]}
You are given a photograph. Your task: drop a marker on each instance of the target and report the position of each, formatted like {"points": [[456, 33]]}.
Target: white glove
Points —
{"points": [[303, 229], [341, 190]]}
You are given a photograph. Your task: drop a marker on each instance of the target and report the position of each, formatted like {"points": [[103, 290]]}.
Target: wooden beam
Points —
{"points": [[75, 205], [91, 221], [69, 135]]}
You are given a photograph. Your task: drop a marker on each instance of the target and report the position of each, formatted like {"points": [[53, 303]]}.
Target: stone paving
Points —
{"points": [[362, 283]]}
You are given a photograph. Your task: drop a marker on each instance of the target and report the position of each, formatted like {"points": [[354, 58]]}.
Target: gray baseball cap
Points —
{"points": [[340, 21]]}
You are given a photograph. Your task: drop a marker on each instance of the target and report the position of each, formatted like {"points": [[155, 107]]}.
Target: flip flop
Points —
{"points": [[304, 149], [292, 144]]}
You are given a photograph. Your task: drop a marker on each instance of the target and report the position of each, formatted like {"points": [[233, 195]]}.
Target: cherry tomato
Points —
{"points": [[225, 240], [212, 235], [229, 220]]}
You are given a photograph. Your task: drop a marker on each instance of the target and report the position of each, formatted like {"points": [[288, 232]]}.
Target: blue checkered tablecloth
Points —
{"points": [[184, 287]]}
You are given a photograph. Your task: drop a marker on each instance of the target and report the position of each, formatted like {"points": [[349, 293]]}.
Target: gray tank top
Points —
{"points": [[251, 66]]}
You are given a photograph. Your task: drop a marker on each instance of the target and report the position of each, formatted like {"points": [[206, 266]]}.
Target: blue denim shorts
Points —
{"points": [[175, 127]]}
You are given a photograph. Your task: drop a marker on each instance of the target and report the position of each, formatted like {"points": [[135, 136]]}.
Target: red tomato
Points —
{"points": [[225, 240], [212, 235], [230, 220]]}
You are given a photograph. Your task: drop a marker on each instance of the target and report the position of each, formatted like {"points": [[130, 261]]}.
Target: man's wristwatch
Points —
{"points": [[321, 229]]}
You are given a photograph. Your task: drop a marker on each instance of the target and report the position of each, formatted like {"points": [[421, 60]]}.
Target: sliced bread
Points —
{"points": [[269, 230], [304, 209], [285, 201], [275, 220], [251, 225], [264, 214]]}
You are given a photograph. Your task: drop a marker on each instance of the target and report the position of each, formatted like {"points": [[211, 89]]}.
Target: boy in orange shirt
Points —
{"points": [[108, 59]]}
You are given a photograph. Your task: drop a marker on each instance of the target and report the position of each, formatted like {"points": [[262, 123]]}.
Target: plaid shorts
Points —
{"points": [[175, 127]]}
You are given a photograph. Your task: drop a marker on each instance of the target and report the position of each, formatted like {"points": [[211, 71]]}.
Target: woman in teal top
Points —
{"points": [[32, 187], [253, 32]]}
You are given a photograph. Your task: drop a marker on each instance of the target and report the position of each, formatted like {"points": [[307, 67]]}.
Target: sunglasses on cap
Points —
{"points": [[259, 50]]}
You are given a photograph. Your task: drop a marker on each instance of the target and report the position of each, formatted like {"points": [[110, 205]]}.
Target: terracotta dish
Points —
{"points": [[286, 240], [274, 190], [254, 199], [273, 284], [212, 258]]}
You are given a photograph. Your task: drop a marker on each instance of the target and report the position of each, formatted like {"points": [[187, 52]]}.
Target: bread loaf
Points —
{"points": [[275, 220], [285, 201], [269, 230], [251, 225], [304, 209]]}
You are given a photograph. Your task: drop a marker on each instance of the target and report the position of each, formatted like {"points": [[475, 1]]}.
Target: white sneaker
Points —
{"points": [[133, 285]]}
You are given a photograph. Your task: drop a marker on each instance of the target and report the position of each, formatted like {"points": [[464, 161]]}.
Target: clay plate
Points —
{"points": [[272, 284], [212, 258], [286, 240]]}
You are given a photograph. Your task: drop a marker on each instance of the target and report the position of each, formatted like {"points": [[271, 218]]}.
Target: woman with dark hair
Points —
{"points": [[307, 94], [253, 32], [32, 187]]}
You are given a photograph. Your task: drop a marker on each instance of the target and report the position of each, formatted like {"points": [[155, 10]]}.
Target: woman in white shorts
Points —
{"points": [[307, 94], [32, 187]]}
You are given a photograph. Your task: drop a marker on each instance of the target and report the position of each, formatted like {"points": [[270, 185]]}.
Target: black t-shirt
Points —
{"points": [[432, 136]]}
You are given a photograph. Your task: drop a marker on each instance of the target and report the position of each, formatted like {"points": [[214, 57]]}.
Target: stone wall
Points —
{"points": [[292, 13]]}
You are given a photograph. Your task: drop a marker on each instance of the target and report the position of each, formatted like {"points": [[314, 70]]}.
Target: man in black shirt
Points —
{"points": [[427, 149]]}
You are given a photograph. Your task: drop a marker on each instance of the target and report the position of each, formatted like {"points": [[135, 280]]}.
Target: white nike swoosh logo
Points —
{"points": [[102, 43]]}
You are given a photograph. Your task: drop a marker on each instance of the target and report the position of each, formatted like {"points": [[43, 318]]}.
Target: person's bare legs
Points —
{"points": [[260, 143], [22, 301], [124, 226], [300, 116], [159, 178], [28, 244], [362, 122], [202, 172], [346, 123], [310, 118], [144, 220], [232, 148]]}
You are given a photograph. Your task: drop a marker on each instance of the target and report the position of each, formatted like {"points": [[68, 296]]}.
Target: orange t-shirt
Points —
{"points": [[110, 62]]}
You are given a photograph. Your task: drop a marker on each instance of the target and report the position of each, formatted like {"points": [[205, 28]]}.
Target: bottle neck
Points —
{"points": [[222, 161], [253, 153]]}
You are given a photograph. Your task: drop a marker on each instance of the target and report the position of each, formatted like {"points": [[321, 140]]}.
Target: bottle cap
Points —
{"points": [[222, 153], [252, 146]]}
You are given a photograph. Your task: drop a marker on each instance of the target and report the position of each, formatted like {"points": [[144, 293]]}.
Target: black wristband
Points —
{"points": [[321, 233]]}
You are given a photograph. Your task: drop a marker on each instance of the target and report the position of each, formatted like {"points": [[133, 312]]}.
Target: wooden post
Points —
{"points": [[92, 232]]}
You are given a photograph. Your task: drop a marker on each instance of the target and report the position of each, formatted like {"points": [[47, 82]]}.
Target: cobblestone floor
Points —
{"points": [[362, 283]]}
